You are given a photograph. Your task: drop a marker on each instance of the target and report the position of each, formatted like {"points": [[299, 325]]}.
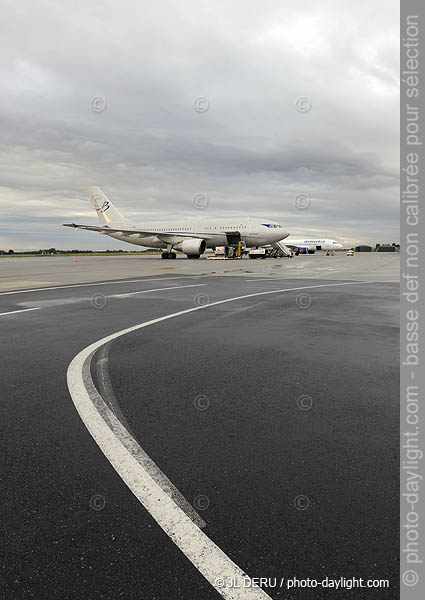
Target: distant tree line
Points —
{"points": [[55, 251]]}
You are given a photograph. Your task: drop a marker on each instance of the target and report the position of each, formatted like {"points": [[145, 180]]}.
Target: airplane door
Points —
{"points": [[233, 238]]}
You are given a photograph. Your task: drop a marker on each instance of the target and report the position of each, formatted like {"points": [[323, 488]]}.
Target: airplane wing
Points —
{"points": [[166, 236]]}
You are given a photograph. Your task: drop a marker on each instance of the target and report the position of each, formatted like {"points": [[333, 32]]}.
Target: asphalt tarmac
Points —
{"points": [[271, 422], [22, 272]]}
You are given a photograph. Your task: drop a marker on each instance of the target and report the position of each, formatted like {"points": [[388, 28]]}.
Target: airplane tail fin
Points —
{"points": [[106, 211]]}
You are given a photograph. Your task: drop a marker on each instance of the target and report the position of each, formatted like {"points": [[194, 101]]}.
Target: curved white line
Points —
{"points": [[107, 396], [109, 434]]}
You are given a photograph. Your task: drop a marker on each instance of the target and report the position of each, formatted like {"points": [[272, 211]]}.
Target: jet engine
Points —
{"points": [[193, 248]]}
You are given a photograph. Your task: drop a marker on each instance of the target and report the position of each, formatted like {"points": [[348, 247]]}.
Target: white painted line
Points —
{"points": [[13, 312], [177, 287], [107, 395], [63, 302], [78, 285], [113, 439], [120, 448]]}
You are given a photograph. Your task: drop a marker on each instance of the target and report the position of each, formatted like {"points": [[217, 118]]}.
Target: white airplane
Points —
{"points": [[313, 244], [190, 237]]}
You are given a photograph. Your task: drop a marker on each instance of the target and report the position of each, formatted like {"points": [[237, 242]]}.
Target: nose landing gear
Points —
{"points": [[166, 255]]}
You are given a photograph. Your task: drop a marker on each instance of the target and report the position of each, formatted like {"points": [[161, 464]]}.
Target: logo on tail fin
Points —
{"points": [[104, 207]]}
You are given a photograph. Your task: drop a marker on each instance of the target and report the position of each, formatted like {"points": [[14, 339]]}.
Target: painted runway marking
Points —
{"points": [[78, 285], [13, 312], [177, 287], [116, 443], [66, 301], [105, 385], [107, 395]]}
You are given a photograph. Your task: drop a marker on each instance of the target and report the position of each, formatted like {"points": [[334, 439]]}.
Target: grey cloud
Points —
{"points": [[251, 152]]}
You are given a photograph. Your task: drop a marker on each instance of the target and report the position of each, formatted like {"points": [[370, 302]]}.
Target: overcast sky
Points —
{"points": [[252, 151]]}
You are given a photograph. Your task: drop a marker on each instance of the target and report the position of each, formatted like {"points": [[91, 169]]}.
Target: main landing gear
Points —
{"points": [[166, 255]]}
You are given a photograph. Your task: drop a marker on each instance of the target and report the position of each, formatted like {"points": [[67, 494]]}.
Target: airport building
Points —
{"points": [[387, 248], [378, 248]]}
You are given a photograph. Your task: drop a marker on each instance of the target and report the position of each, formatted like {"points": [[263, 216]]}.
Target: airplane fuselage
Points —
{"points": [[192, 237], [313, 243], [252, 232]]}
